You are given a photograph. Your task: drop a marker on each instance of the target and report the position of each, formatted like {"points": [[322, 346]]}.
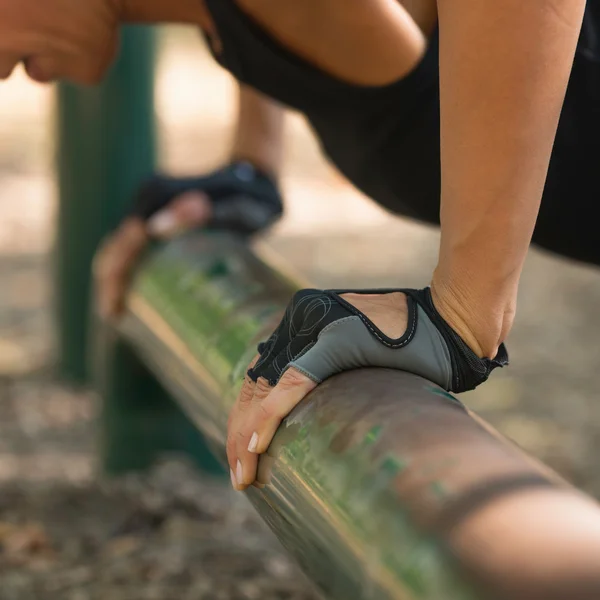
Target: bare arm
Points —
{"points": [[504, 68]]}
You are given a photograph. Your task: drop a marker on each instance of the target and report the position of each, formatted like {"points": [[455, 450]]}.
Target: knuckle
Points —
{"points": [[246, 395], [291, 379], [263, 388]]}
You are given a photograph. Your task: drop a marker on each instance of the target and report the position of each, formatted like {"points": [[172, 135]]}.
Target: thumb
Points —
{"points": [[284, 397], [187, 211]]}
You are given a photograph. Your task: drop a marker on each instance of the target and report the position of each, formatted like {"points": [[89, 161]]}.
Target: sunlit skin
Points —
{"points": [[546, 550], [504, 68]]}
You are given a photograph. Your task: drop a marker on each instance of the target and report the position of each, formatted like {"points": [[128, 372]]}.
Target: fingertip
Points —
{"points": [[253, 445], [296, 379], [193, 206], [266, 438], [163, 224], [188, 211], [234, 482]]}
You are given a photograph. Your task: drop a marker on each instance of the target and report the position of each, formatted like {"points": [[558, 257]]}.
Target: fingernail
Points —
{"points": [[253, 445], [239, 472], [233, 480], [162, 224]]}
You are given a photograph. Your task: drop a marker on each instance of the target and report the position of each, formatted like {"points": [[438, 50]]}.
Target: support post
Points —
{"points": [[139, 421], [106, 147]]}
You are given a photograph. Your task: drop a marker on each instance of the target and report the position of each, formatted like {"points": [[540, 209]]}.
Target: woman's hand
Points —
{"points": [[236, 198], [326, 332]]}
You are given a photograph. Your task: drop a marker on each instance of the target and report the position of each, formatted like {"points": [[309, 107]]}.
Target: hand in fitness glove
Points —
{"points": [[326, 332], [237, 198]]}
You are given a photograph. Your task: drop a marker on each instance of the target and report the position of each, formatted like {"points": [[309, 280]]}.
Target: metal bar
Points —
{"points": [[373, 475]]}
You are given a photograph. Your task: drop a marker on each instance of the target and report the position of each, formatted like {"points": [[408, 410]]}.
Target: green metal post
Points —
{"points": [[106, 146], [139, 420]]}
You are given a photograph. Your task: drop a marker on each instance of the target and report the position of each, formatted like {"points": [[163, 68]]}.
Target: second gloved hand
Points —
{"points": [[238, 198]]}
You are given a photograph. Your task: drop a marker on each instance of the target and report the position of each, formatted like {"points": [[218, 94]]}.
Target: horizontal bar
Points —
{"points": [[383, 486]]}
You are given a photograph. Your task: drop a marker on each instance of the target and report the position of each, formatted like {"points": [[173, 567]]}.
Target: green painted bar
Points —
{"points": [[106, 147], [366, 472]]}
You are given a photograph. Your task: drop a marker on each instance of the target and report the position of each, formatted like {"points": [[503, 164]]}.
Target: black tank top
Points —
{"points": [[386, 139]]}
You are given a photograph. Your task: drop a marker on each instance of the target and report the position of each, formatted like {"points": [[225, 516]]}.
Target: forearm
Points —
{"points": [[504, 68], [259, 131]]}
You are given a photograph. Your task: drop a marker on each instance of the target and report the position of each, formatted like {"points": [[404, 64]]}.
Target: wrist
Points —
{"points": [[481, 317]]}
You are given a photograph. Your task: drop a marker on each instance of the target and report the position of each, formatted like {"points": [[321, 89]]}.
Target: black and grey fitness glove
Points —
{"points": [[322, 334], [244, 199]]}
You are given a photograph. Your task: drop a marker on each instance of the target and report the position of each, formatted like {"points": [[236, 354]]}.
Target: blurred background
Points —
{"points": [[66, 532]]}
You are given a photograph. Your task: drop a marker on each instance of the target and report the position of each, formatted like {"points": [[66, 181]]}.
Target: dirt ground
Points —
{"points": [[68, 533]]}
